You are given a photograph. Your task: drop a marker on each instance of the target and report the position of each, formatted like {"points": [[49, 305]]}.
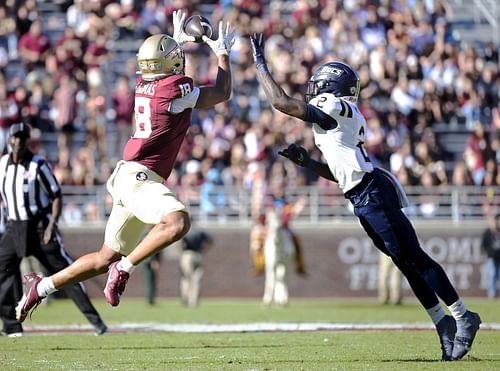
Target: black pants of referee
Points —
{"points": [[22, 239]]}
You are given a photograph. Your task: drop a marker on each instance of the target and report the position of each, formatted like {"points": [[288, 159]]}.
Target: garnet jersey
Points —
{"points": [[339, 132], [162, 119]]}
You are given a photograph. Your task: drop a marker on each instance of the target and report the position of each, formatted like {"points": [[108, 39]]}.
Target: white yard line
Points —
{"points": [[242, 327]]}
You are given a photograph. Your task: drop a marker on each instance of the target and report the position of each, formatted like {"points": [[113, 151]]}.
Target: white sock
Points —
{"points": [[436, 313], [458, 309], [45, 287], [126, 265]]}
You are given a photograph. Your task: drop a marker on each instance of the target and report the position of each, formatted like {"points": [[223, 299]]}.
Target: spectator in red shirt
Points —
{"points": [[70, 49], [477, 152], [65, 104], [96, 54], [123, 103], [34, 46]]}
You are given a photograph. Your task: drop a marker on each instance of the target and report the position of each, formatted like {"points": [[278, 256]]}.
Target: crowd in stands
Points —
{"points": [[414, 75]]}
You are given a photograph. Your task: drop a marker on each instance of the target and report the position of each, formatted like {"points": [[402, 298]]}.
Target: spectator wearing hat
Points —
{"points": [[33, 203]]}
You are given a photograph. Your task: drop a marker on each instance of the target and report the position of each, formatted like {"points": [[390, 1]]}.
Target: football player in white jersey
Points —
{"points": [[339, 132]]}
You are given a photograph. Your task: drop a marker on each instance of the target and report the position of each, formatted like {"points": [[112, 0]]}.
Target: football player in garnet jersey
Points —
{"points": [[339, 132], [164, 99]]}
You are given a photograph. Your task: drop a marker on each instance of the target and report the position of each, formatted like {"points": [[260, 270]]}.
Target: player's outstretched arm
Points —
{"points": [[300, 156], [221, 91], [274, 93]]}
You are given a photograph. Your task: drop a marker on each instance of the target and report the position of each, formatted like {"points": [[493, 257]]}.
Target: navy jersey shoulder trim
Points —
{"points": [[314, 114]]}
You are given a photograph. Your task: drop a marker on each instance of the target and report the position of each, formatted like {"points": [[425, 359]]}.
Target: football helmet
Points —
{"points": [[160, 56], [336, 78]]}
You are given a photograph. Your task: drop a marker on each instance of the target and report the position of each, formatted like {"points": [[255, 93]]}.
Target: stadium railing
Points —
{"points": [[90, 206]]}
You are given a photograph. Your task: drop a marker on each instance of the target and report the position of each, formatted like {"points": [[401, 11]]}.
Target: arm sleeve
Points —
{"points": [[188, 101], [314, 114], [486, 244], [49, 181]]}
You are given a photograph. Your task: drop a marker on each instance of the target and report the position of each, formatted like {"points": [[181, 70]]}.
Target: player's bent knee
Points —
{"points": [[176, 224]]}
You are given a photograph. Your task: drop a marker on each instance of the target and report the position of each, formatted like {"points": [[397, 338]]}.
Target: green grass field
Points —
{"points": [[297, 350]]}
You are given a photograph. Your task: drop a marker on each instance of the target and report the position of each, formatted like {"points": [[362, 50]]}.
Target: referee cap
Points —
{"points": [[20, 130]]}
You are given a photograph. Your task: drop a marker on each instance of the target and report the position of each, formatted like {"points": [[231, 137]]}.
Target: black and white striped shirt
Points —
{"points": [[27, 188]]}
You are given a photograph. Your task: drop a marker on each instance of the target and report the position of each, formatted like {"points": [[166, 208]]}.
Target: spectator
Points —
{"points": [[77, 17], [39, 109], [70, 50], [194, 245], [34, 46], [97, 54], [8, 113], [257, 239], [490, 243], [96, 122], [123, 104], [477, 152], [8, 39], [389, 281], [151, 271], [212, 195], [65, 107]]}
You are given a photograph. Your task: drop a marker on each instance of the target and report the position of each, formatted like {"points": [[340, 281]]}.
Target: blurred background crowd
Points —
{"points": [[431, 100]]}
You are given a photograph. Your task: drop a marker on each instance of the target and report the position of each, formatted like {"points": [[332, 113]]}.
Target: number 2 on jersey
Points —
{"points": [[142, 110]]}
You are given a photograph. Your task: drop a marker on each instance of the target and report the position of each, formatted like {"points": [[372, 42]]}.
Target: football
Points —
{"points": [[197, 26]]}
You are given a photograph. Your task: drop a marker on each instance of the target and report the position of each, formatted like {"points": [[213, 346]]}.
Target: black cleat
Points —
{"points": [[446, 329], [465, 335]]}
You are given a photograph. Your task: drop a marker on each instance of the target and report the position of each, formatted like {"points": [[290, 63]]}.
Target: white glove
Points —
{"points": [[221, 46], [179, 35]]}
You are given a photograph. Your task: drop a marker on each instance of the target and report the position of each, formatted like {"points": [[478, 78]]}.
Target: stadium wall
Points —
{"points": [[340, 260]]}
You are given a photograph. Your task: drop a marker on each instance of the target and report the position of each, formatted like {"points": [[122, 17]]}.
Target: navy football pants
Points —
{"points": [[376, 204]]}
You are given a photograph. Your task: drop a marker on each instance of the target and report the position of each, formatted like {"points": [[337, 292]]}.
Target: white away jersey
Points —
{"points": [[342, 146]]}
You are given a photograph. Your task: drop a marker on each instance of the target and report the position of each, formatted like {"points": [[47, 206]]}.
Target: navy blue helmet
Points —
{"points": [[336, 78]]}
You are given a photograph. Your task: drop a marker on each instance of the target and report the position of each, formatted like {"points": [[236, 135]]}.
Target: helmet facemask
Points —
{"points": [[160, 56], [335, 78], [315, 88]]}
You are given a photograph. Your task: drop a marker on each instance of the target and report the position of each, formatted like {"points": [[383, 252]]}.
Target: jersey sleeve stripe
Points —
{"points": [[342, 111], [349, 110]]}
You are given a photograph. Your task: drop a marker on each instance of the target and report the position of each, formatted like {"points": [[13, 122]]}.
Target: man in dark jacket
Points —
{"points": [[490, 243]]}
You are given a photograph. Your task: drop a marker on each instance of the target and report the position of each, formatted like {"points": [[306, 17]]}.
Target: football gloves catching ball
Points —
{"points": [[224, 43], [221, 46], [179, 35], [296, 154]]}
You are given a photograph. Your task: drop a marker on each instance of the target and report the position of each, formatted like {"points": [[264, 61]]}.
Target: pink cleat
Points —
{"points": [[30, 299], [115, 285]]}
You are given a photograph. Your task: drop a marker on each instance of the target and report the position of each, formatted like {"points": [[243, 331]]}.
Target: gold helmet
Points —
{"points": [[160, 56]]}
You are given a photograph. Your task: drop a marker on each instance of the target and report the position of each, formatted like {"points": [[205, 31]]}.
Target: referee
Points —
{"points": [[32, 199]]}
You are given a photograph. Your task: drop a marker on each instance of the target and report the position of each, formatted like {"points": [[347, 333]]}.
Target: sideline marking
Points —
{"points": [[242, 327]]}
